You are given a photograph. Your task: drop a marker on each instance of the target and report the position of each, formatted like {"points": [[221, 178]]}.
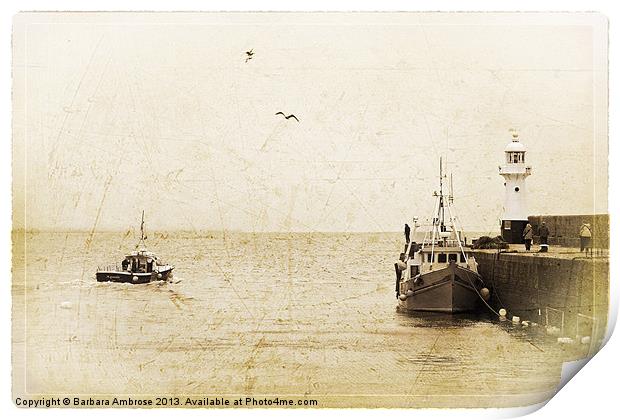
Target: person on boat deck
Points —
{"points": [[528, 233], [585, 238], [414, 248], [407, 232], [544, 233]]}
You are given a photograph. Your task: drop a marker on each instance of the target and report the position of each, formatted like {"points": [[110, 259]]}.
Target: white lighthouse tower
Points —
{"points": [[514, 171]]}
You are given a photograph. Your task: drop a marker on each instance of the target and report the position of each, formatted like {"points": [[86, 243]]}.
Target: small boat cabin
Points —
{"points": [[140, 262], [425, 257]]}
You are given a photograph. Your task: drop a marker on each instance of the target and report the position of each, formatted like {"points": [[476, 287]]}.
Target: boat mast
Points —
{"points": [[142, 227], [438, 217], [142, 235], [442, 211], [451, 196], [435, 219], [453, 225], [458, 236]]}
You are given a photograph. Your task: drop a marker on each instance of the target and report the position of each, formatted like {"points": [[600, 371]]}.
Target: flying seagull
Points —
{"points": [[287, 117], [249, 54]]}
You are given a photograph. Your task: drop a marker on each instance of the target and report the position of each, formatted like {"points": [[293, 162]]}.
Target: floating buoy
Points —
{"points": [[484, 292], [502, 312], [66, 305], [409, 293], [158, 275], [565, 340], [516, 320], [135, 278], [402, 296], [525, 323]]}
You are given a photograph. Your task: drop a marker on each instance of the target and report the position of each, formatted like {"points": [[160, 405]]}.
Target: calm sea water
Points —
{"points": [[257, 314]]}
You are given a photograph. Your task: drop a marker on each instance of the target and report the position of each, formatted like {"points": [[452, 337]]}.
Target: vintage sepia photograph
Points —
{"points": [[306, 210]]}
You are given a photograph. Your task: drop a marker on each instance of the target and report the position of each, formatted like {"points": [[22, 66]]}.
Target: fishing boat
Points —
{"points": [[439, 274], [140, 266]]}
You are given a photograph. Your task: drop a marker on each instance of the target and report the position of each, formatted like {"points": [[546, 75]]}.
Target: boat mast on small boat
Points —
{"points": [[141, 266], [439, 274]]}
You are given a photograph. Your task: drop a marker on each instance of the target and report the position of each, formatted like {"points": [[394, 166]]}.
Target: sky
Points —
{"points": [[118, 113]]}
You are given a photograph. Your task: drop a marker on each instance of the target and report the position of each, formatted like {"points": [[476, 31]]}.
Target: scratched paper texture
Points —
{"points": [[283, 231]]}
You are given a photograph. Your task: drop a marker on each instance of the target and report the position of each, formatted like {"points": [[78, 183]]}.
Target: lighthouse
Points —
{"points": [[514, 171]]}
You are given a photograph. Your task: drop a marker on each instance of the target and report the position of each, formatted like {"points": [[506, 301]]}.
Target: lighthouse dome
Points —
{"points": [[515, 145]]}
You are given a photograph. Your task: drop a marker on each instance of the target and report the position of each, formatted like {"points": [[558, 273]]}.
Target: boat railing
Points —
{"points": [[117, 267], [109, 267], [446, 242]]}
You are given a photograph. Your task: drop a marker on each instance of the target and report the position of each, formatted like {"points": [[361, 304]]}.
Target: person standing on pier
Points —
{"points": [[585, 238], [527, 235], [544, 234], [407, 232]]}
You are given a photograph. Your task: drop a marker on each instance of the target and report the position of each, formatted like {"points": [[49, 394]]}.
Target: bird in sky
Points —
{"points": [[249, 55], [287, 116]]}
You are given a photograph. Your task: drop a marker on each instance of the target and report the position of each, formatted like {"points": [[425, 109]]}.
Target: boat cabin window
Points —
{"points": [[441, 258], [414, 270], [453, 257], [463, 258], [429, 257]]}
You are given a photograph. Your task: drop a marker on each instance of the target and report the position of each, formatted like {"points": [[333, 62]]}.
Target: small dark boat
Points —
{"points": [[140, 266], [439, 274]]}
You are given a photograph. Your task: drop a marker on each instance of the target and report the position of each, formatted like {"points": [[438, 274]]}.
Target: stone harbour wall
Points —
{"points": [[541, 288]]}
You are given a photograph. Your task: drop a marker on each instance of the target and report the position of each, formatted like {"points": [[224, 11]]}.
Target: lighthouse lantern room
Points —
{"points": [[514, 171]]}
